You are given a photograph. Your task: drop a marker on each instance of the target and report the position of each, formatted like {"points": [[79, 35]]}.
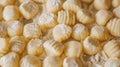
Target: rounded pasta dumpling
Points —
{"points": [[30, 61], [53, 48], [4, 46], [116, 11], [99, 32], [52, 61], [47, 20], [3, 29], [112, 48], [103, 16], [29, 9], [17, 44], [10, 60], [102, 4], [73, 5], [91, 46], [80, 32], [54, 5], [112, 62], [62, 32], [7, 2], [113, 27], [115, 3], [11, 12], [15, 28], [66, 17], [32, 30], [34, 47], [73, 48]]}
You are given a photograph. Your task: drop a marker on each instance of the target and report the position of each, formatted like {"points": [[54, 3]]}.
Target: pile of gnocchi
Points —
{"points": [[59, 33]]}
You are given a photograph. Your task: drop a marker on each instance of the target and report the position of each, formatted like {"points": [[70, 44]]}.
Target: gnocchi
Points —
{"points": [[115, 3], [116, 11], [7, 2]]}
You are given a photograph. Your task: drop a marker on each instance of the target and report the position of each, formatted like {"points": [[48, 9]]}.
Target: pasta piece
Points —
{"points": [[10, 60], [91, 46], [61, 32], [115, 3], [112, 62], [32, 30], [66, 17], [30, 61], [112, 48], [3, 29], [4, 46], [103, 16], [52, 61], [113, 27], [29, 9], [15, 28], [73, 48], [87, 1], [99, 32], [104, 4], [54, 5], [73, 5], [7, 2], [17, 44], [80, 32], [1, 12], [85, 17], [53, 48], [11, 12], [47, 20], [72, 62], [34, 47], [40, 1], [116, 11]]}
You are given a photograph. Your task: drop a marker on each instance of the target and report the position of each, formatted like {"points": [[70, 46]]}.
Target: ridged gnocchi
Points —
{"points": [[73, 48], [112, 48], [30, 61], [66, 17], [29, 9], [53, 48], [10, 60], [91, 46], [35, 47], [113, 27], [62, 32], [116, 11], [7, 2], [103, 16], [80, 32], [115, 3], [18, 44]]}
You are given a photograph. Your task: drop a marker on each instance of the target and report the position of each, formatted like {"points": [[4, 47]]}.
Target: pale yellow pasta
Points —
{"points": [[103, 16], [53, 48], [99, 32], [116, 11], [115, 3], [34, 47], [47, 20], [66, 17], [87, 1], [72, 62], [3, 29], [91, 46], [112, 48], [85, 16], [112, 62], [104, 4], [52, 61], [62, 32], [29, 9], [32, 30], [15, 28], [1, 12], [73, 5], [113, 27], [30, 61], [73, 48], [7, 2], [11, 12], [4, 46], [17, 44], [10, 60], [80, 32]]}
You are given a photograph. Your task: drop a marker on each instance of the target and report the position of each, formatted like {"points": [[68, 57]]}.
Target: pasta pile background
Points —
{"points": [[59, 33]]}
